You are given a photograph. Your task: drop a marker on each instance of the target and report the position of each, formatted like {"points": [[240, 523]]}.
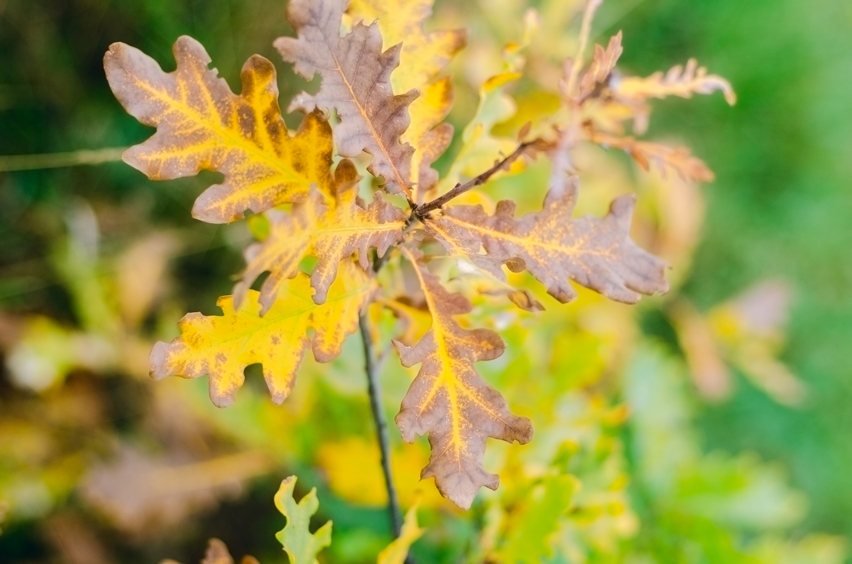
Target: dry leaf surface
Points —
{"points": [[423, 55], [201, 125], [450, 402], [556, 247], [355, 82], [330, 230], [223, 346]]}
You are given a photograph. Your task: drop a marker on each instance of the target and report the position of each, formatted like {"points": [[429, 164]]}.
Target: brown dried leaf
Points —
{"points": [[329, 230], [706, 365], [423, 55], [555, 247], [217, 553], [355, 82], [663, 157], [450, 402], [609, 100], [164, 493], [678, 81], [202, 125], [599, 70], [525, 300]]}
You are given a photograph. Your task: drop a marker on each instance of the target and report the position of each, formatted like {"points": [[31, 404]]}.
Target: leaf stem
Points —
{"points": [[9, 163], [371, 366], [479, 180], [585, 31]]}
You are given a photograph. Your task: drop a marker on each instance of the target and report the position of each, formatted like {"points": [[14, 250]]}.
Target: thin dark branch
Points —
{"points": [[371, 365], [460, 189]]}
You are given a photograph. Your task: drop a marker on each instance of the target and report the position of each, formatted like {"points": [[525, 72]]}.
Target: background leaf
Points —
{"points": [[299, 543]]}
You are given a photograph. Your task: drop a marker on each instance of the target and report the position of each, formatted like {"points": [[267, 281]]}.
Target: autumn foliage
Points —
{"points": [[383, 96]]}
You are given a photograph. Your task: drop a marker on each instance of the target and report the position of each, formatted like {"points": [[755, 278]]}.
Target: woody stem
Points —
{"points": [[371, 365], [460, 189]]}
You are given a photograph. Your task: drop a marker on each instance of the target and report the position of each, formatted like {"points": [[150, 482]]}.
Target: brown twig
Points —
{"points": [[459, 189], [585, 31], [371, 366]]}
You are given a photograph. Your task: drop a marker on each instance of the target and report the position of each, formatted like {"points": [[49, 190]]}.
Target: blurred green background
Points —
{"points": [[780, 205]]}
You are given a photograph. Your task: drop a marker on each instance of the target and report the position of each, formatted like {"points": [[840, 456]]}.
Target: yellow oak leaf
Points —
{"points": [[450, 402], [201, 125], [397, 551], [428, 135], [356, 83], [223, 346], [556, 247], [423, 56], [480, 149], [330, 231], [338, 458]]}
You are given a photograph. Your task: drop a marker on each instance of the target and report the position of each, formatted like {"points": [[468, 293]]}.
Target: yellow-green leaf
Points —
{"points": [[328, 230], [450, 402], [299, 543], [355, 82], [201, 125], [480, 149], [396, 551], [528, 540], [223, 346]]}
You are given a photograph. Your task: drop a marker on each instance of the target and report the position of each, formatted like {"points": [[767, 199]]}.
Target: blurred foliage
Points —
{"points": [[682, 430]]}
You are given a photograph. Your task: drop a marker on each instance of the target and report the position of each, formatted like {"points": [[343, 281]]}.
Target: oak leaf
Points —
{"points": [[299, 543], [329, 230], [201, 125], [480, 146], [423, 56], [355, 82], [609, 99], [663, 157], [600, 69], [556, 247], [450, 402], [682, 81], [217, 553], [223, 346], [397, 551], [528, 538]]}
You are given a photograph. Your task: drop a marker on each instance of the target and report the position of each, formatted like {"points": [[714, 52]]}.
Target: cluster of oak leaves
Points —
{"points": [[389, 103]]}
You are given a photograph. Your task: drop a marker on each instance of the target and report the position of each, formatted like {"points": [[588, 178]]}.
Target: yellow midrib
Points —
{"points": [[528, 242], [268, 321], [229, 135], [447, 377]]}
